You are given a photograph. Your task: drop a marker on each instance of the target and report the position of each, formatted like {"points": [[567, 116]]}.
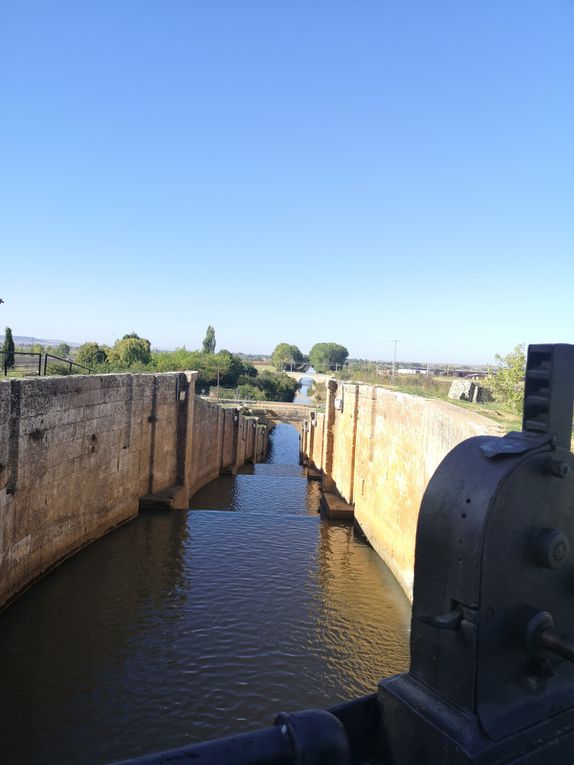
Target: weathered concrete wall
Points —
{"points": [[77, 453], [229, 439], [207, 430], [345, 440], [241, 441], [316, 453], [379, 452]]}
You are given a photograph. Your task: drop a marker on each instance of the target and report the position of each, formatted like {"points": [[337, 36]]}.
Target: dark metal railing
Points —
{"points": [[348, 734], [23, 362], [62, 366]]}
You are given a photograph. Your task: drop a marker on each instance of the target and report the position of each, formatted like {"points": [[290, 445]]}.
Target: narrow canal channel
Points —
{"points": [[188, 625]]}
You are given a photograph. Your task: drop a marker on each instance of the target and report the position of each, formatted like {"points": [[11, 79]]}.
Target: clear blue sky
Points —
{"points": [[301, 171]]}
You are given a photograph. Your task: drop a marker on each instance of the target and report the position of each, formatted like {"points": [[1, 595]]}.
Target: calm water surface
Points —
{"points": [[188, 625], [302, 395]]}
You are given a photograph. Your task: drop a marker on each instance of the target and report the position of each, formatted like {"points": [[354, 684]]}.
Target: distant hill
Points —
{"points": [[24, 340]]}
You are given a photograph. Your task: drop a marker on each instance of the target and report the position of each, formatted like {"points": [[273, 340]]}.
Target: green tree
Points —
{"points": [[285, 354], [130, 350], [175, 361], [251, 392], [63, 349], [91, 354], [209, 340], [326, 356], [8, 349], [507, 381], [226, 366], [273, 386]]}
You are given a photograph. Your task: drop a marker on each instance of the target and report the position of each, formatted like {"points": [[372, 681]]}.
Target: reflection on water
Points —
{"points": [[188, 625], [302, 395]]}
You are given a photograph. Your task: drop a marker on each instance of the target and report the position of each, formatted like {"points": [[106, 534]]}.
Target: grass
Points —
{"points": [[262, 367], [18, 373], [494, 411]]}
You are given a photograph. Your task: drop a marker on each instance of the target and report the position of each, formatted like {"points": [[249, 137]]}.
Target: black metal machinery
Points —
{"points": [[491, 678], [492, 641]]}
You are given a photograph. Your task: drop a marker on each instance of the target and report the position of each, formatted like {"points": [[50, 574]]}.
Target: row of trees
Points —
{"points": [[223, 369], [506, 381], [228, 370], [134, 353], [130, 351], [323, 356]]}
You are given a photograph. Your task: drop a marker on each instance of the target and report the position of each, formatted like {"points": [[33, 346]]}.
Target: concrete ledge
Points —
{"points": [[167, 499], [335, 507], [313, 474]]}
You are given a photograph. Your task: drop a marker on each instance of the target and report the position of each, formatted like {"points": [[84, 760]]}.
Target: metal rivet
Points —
{"points": [[551, 547]]}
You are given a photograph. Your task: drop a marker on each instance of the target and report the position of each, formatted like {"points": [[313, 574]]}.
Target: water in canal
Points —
{"points": [[302, 394], [193, 624]]}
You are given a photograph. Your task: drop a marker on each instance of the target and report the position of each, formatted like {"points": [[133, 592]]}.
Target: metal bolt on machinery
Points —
{"points": [[491, 679]]}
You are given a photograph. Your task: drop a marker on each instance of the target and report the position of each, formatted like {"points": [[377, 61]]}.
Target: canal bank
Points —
{"points": [[183, 626]]}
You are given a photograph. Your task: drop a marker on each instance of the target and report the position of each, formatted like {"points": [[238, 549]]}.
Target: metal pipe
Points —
{"points": [[313, 737], [551, 641]]}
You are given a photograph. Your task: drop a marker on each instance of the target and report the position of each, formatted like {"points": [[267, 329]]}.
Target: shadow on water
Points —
{"points": [[188, 625]]}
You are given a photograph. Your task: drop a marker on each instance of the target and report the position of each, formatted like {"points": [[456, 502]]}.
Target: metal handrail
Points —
{"points": [[66, 361], [7, 354]]}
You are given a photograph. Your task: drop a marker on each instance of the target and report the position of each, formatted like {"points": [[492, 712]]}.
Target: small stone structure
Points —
{"points": [[468, 390]]}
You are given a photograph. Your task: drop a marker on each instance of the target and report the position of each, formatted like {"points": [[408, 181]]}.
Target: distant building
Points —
{"points": [[411, 371], [468, 373]]}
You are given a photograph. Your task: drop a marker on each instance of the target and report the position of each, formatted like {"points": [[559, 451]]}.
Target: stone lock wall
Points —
{"points": [[77, 453], [208, 427], [318, 427], [379, 449]]}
